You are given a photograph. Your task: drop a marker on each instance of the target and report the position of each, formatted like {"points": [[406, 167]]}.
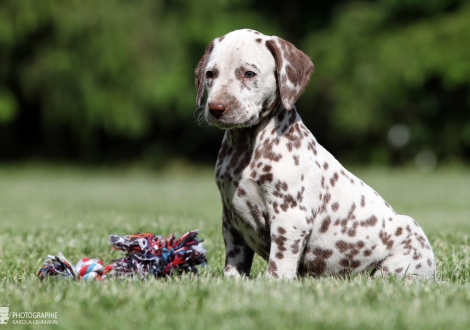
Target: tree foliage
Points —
{"points": [[114, 78], [376, 72]]}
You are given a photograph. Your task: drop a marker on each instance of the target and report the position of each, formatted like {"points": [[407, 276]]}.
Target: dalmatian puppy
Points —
{"points": [[284, 196]]}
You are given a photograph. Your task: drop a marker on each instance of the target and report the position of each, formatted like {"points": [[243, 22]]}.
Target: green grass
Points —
{"points": [[44, 210]]}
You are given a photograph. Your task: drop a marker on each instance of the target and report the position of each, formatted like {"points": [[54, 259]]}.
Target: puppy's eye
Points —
{"points": [[250, 74], [209, 74]]}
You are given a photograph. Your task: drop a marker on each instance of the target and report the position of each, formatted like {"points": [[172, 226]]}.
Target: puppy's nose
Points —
{"points": [[217, 109]]}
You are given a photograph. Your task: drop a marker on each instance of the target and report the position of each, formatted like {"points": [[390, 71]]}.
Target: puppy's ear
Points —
{"points": [[199, 74], [293, 70]]}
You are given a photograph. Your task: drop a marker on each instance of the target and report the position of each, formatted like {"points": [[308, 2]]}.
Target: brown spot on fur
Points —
{"points": [[316, 267], [296, 160], [349, 262], [255, 212], [399, 231], [355, 263], [352, 232], [281, 230], [279, 255], [335, 206], [422, 242], [321, 253], [334, 179], [284, 207], [258, 40], [241, 192], [300, 194], [296, 246], [240, 73], [275, 207], [325, 224], [268, 177], [416, 255], [372, 221], [342, 246], [310, 220], [284, 186], [267, 168], [386, 239], [272, 267], [279, 241], [288, 201], [311, 146], [266, 150]]}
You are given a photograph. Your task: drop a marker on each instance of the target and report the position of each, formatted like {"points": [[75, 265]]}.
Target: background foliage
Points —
{"points": [[113, 79]]}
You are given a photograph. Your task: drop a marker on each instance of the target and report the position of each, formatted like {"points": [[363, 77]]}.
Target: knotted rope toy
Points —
{"points": [[146, 255]]}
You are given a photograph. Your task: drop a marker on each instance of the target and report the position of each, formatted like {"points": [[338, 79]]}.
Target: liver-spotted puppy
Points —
{"points": [[284, 196]]}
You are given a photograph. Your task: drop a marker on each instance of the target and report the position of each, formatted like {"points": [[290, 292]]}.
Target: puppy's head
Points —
{"points": [[247, 75]]}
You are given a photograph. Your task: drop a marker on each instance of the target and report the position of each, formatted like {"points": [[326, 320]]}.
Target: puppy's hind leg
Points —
{"points": [[412, 258]]}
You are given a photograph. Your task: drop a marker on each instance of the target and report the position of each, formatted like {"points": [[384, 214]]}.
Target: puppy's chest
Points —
{"points": [[243, 197], [242, 187], [257, 173]]}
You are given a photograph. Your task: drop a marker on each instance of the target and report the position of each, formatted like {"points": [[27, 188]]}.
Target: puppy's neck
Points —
{"points": [[243, 135], [240, 136]]}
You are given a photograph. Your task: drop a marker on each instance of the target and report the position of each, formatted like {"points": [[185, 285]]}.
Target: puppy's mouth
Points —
{"points": [[228, 120]]}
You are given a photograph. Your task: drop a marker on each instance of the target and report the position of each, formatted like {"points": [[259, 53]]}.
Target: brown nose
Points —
{"points": [[217, 109]]}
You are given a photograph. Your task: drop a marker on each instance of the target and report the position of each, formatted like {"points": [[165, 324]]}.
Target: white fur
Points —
{"points": [[242, 52]]}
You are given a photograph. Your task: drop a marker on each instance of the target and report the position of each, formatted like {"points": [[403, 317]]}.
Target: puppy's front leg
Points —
{"points": [[287, 244], [238, 255]]}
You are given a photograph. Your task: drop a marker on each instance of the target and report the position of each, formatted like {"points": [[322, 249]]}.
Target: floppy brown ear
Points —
{"points": [[293, 70], [199, 74]]}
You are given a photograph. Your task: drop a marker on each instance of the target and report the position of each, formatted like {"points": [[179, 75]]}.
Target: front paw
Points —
{"points": [[231, 272], [273, 272]]}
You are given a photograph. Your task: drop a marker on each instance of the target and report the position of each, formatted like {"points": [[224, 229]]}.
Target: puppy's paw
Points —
{"points": [[231, 272]]}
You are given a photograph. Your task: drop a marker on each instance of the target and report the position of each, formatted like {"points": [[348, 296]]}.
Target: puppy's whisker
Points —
{"points": [[200, 117]]}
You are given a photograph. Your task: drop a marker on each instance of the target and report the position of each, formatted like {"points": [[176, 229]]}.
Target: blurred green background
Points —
{"points": [[112, 80]]}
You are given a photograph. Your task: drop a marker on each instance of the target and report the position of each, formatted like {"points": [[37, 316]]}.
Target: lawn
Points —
{"points": [[44, 210]]}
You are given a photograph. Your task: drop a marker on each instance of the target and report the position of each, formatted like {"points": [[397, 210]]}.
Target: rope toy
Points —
{"points": [[146, 255]]}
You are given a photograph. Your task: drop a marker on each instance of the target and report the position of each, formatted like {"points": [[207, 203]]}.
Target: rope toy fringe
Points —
{"points": [[146, 255]]}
